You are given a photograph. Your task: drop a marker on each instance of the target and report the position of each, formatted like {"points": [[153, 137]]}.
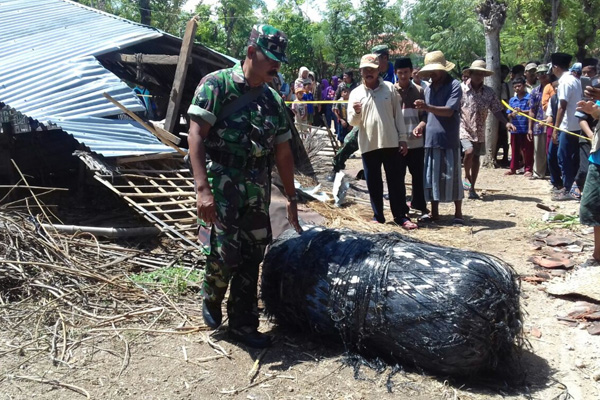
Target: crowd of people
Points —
{"points": [[424, 121], [440, 126]]}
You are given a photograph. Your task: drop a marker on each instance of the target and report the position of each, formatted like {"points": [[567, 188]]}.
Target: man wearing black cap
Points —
{"points": [[569, 92], [386, 68], [415, 121], [238, 128]]}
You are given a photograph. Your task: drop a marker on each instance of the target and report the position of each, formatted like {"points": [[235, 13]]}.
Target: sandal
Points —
{"points": [[510, 172], [592, 262], [458, 221], [466, 185], [408, 224], [528, 174], [425, 218], [473, 195]]}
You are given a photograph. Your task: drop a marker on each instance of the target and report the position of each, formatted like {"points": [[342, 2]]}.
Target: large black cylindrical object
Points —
{"points": [[442, 309]]}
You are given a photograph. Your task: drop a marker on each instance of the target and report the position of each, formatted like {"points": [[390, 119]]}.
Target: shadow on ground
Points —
{"points": [[483, 224], [523, 376], [502, 196]]}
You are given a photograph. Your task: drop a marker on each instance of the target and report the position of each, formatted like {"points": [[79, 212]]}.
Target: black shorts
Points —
{"points": [[589, 211]]}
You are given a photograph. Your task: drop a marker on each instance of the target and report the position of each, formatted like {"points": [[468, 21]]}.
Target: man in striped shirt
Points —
{"points": [[415, 121], [477, 101]]}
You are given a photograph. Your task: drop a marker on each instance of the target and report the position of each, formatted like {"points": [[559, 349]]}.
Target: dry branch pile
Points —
{"points": [[59, 293]]}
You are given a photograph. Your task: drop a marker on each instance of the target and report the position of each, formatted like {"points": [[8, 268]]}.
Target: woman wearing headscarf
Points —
{"points": [[335, 81], [327, 94], [302, 75]]}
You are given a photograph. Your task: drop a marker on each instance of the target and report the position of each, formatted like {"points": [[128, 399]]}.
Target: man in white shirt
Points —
{"points": [[569, 93], [375, 108]]}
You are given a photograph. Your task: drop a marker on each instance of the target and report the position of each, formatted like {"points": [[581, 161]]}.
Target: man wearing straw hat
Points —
{"points": [[442, 143], [477, 99]]}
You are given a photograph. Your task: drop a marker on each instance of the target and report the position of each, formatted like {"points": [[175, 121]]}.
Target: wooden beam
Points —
{"points": [[145, 157], [187, 44], [167, 135], [158, 59], [150, 129]]}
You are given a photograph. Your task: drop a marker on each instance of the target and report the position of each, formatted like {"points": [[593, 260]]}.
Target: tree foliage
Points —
{"points": [[288, 17], [162, 14], [533, 28], [447, 25], [340, 34], [376, 23]]}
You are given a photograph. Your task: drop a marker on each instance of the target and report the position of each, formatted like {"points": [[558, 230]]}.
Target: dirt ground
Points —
{"points": [[561, 361]]}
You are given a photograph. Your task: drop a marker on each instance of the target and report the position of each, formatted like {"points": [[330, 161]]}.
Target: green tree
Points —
{"points": [[209, 32], [530, 30], [585, 17], [341, 35], [165, 15], [377, 23], [447, 25], [236, 18], [288, 17]]}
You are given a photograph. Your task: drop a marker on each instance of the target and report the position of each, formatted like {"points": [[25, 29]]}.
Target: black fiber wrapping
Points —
{"points": [[445, 310]]}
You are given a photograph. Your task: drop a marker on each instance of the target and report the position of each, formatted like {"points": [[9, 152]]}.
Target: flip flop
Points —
{"points": [[425, 218], [473, 195], [592, 262], [466, 185], [408, 224], [458, 221]]}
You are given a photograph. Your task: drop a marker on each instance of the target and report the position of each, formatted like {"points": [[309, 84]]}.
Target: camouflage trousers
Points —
{"points": [[237, 241], [349, 147]]}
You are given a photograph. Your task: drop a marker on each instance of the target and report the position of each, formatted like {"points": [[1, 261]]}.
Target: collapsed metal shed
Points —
{"points": [[59, 58]]}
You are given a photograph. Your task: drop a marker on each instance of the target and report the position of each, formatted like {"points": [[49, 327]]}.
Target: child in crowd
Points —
{"points": [[299, 109], [522, 147], [341, 112], [308, 96]]}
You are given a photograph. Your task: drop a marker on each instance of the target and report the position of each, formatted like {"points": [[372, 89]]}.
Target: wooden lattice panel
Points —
{"points": [[165, 197]]}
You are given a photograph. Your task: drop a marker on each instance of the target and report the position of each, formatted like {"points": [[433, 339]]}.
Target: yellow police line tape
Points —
{"points": [[542, 122], [318, 102]]}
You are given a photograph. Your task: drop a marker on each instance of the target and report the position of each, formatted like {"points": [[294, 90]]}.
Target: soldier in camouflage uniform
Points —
{"points": [[231, 158]]}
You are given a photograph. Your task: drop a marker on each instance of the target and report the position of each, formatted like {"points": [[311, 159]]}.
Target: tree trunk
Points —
{"points": [[550, 46], [492, 14], [145, 13], [492, 60], [586, 33]]}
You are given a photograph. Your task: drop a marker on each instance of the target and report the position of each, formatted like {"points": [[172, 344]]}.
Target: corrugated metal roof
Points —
{"points": [[113, 137], [46, 58], [49, 72]]}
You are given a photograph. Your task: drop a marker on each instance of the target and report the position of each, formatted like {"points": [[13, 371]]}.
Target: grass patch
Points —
{"points": [[173, 280], [561, 221]]}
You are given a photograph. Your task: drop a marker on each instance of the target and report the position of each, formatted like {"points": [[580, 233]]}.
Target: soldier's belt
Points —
{"points": [[239, 162]]}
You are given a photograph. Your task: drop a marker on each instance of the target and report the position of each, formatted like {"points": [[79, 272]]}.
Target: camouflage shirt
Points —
{"points": [[252, 131]]}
